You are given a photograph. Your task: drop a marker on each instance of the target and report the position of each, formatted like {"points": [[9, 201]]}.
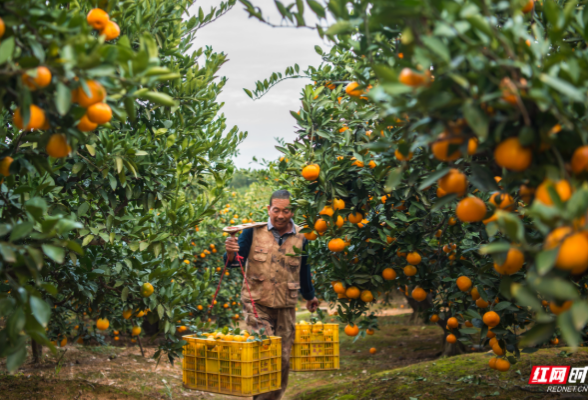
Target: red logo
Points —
{"points": [[549, 375]]}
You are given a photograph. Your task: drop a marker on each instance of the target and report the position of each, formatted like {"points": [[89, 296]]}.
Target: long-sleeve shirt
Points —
{"points": [[245, 240]]}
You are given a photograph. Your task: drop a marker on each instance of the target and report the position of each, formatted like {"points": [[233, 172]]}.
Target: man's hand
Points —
{"points": [[232, 247], [312, 305]]}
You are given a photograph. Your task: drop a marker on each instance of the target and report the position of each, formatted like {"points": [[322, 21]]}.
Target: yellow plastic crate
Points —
{"points": [[314, 363], [316, 333], [235, 368], [316, 348]]}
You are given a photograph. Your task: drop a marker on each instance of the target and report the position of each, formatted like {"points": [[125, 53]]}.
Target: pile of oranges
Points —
{"points": [[242, 336]]}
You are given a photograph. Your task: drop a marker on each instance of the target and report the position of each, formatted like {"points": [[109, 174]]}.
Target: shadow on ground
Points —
{"points": [[405, 366]]}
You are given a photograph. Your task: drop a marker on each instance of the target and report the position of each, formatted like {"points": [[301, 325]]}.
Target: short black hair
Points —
{"points": [[279, 194]]}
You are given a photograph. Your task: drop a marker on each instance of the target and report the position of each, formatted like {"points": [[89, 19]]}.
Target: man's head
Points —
{"points": [[279, 209]]}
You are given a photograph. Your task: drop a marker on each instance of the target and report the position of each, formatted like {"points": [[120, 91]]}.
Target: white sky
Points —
{"points": [[255, 50]]}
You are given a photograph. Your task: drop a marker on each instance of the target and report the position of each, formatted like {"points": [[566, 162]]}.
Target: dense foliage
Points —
{"points": [[447, 141], [98, 214]]}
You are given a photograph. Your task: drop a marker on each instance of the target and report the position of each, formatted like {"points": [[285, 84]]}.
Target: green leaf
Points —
{"points": [[525, 297], [75, 246], [55, 253], [91, 150], [4, 229], [505, 287], [83, 209], [65, 225], [125, 293], [443, 201], [16, 359], [36, 256], [529, 350], [171, 139], [479, 23], [482, 178], [159, 98], [468, 331], [119, 165], [50, 288], [6, 49], [538, 334], [476, 119], [502, 305], [129, 103], [579, 314], [40, 310], [77, 167], [496, 247], [437, 46], [385, 72], [7, 252], [112, 181], [563, 87], [317, 8], [62, 98], [545, 260], [87, 240], [553, 286], [339, 28], [434, 177], [578, 203], [393, 179], [568, 332], [512, 225], [21, 230], [37, 206]]}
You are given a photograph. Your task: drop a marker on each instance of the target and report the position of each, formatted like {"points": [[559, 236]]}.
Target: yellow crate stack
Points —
{"points": [[316, 347], [234, 368]]}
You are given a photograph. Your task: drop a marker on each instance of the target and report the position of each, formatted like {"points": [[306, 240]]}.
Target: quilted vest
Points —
{"points": [[273, 276]]}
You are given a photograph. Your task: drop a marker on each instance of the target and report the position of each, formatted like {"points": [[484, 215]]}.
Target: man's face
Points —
{"points": [[280, 213]]}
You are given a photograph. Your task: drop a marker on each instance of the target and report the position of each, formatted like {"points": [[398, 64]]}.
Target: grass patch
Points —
{"points": [[20, 387], [406, 364], [459, 377]]}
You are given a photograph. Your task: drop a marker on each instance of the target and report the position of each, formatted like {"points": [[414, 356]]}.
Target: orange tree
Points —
{"points": [[113, 151], [475, 159]]}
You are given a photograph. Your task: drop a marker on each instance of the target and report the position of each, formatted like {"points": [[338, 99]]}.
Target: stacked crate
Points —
{"points": [[234, 368], [316, 347]]}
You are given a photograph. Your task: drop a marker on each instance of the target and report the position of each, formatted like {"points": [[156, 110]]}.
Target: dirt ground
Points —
{"points": [[121, 372], [405, 366]]}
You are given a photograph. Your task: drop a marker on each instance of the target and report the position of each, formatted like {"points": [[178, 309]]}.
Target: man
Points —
{"points": [[275, 275]]}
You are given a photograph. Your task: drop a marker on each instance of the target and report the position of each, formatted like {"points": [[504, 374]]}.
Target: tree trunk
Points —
{"points": [[419, 308], [452, 349], [37, 352]]}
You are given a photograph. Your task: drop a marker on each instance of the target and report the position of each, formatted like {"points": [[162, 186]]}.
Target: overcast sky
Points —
{"points": [[255, 50]]}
